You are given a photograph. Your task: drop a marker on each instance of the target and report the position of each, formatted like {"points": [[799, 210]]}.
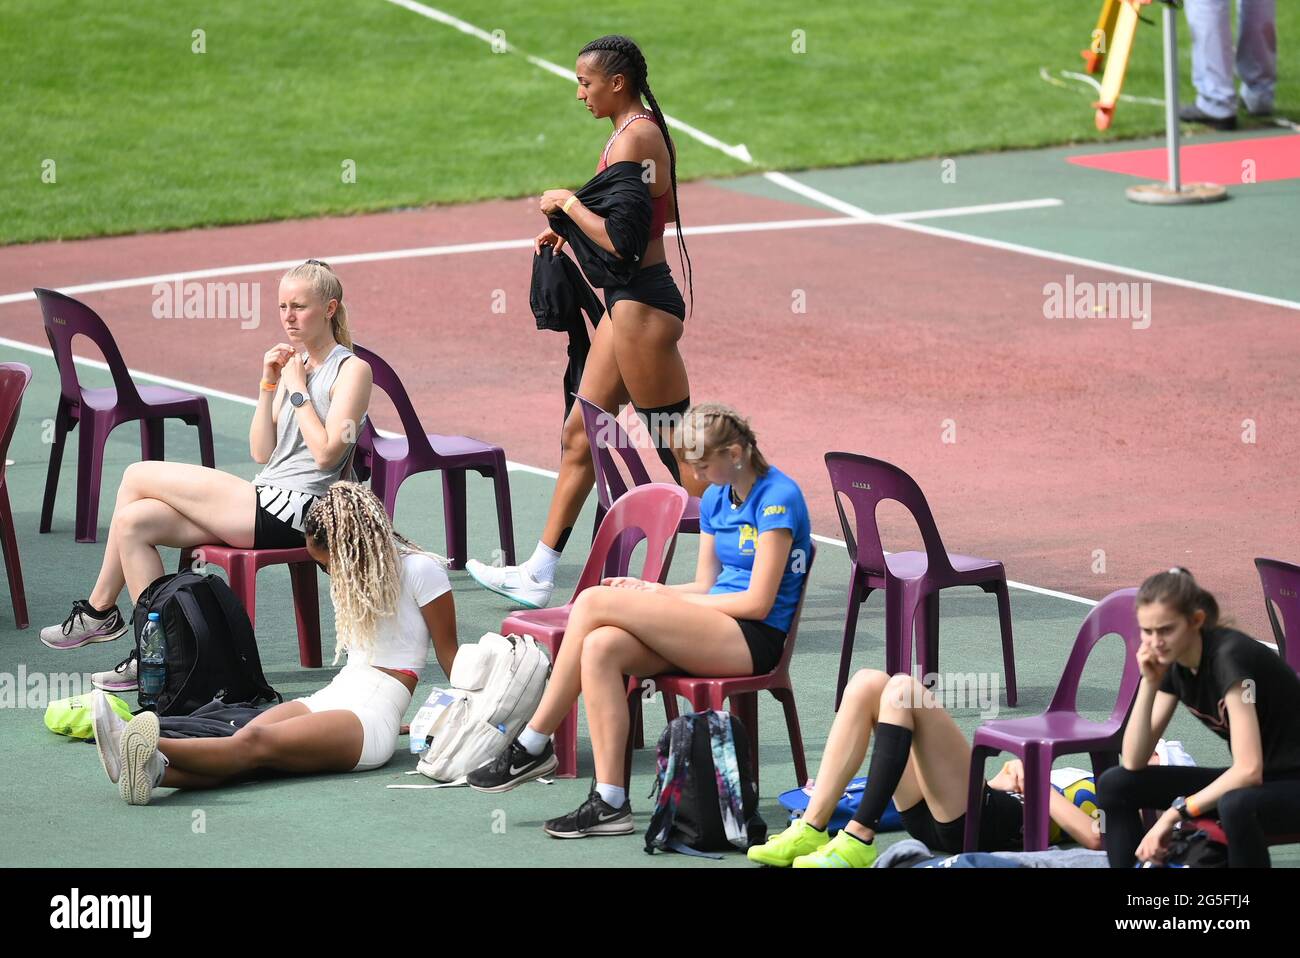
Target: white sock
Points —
{"points": [[160, 766], [533, 742], [613, 795], [541, 564]]}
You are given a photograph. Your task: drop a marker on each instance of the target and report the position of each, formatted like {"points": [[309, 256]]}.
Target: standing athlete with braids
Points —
{"points": [[390, 600], [313, 400], [634, 356], [1242, 692], [755, 542]]}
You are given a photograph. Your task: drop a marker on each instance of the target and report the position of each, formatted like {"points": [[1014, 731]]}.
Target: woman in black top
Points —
{"points": [[1240, 690]]}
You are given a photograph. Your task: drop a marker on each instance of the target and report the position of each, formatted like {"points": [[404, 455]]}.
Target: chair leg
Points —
{"points": [[895, 661], [908, 605], [566, 745], [152, 443], [453, 516], [243, 582], [306, 610], [207, 454], [670, 706], [90, 474], [927, 631], [850, 633], [786, 698], [1008, 652], [13, 565], [505, 518], [63, 423], [974, 792], [1038, 789]]}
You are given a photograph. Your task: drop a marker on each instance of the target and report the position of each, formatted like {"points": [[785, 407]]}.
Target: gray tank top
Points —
{"points": [[291, 465]]}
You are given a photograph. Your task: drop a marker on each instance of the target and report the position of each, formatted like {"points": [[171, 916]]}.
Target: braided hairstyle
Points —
{"points": [[365, 568], [617, 54], [707, 427]]}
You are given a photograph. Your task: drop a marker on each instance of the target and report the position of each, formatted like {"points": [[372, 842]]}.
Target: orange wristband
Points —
{"points": [[1193, 810], [269, 387]]}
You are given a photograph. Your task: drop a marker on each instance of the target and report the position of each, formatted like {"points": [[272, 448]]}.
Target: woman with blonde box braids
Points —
{"points": [[391, 601]]}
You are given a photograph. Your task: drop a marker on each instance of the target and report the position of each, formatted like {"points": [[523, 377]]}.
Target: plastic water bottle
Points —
{"points": [[153, 661]]}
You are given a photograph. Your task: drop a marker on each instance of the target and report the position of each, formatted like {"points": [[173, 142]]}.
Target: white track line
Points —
{"points": [[900, 221], [736, 152], [511, 465], [498, 245]]}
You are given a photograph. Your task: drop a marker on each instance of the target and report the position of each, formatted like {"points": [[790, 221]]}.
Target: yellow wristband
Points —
{"points": [[569, 202], [269, 387], [1192, 810]]}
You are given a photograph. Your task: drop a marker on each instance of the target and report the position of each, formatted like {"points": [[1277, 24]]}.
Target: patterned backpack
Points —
{"points": [[706, 795]]}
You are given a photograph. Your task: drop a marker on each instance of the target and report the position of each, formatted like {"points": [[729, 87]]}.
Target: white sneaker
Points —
{"points": [[108, 735], [513, 582], [141, 765]]}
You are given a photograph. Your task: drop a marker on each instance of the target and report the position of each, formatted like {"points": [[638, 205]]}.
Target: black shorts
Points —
{"points": [[766, 643], [1001, 825], [653, 286], [273, 532]]}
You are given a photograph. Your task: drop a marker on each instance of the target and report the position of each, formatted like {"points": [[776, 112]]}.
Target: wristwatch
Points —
{"points": [[297, 399], [1180, 806]]}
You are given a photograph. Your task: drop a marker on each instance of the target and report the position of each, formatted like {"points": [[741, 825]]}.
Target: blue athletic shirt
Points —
{"points": [[775, 502]]}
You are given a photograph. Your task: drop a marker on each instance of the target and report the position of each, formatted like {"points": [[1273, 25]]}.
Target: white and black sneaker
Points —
{"points": [[85, 624], [512, 768], [595, 816]]}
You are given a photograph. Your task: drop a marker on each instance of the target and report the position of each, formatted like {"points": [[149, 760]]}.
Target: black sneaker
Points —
{"points": [[595, 816], [1191, 113], [513, 767]]}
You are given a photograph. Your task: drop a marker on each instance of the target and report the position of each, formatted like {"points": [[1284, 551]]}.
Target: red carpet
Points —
{"points": [[1226, 163]]}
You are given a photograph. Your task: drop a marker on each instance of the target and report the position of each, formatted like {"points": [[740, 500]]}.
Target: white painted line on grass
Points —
{"points": [[736, 152], [511, 465]]}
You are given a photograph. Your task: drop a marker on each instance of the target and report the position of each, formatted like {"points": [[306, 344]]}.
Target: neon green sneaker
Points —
{"points": [[780, 850], [842, 851]]}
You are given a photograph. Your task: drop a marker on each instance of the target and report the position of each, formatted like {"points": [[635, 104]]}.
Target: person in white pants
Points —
{"points": [[1212, 59]]}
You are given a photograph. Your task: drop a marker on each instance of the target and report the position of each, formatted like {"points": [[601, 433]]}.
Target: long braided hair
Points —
{"points": [[365, 561], [616, 53]]}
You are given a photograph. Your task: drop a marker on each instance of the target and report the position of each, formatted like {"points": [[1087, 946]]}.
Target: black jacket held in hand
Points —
{"points": [[618, 194], [559, 296]]}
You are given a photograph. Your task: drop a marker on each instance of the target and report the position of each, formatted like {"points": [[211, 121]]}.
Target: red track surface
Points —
{"points": [[1073, 435], [1270, 158]]}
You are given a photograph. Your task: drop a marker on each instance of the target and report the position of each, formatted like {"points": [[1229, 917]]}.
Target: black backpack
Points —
{"points": [[691, 792], [1198, 844], [211, 652]]}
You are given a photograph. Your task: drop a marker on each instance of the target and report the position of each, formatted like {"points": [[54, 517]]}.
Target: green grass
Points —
{"points": [[147, 135]]}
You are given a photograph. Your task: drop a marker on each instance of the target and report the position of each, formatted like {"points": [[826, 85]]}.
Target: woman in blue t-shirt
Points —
{"points": [[732, 619]]}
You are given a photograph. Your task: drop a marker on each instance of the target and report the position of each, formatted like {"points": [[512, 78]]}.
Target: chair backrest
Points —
{"points": [[387, 380], [604, 433], [790, 636], [14, 378], [67, 318], [651, 512], [1281, 582], [1117, 613], [866, 482]]}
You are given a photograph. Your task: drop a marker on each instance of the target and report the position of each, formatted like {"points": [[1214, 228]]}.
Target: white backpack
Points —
{"points": [[496, 686]]}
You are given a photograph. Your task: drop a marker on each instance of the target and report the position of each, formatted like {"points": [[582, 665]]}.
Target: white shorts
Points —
{"points": [[374, 697]]}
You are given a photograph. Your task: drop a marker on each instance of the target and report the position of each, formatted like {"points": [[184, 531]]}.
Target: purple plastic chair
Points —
{"points": [[603, 428], [14, 378], [390, 461], [651, 512], [1281, 582], [911, 580], [100, 411], [1061, 730]]}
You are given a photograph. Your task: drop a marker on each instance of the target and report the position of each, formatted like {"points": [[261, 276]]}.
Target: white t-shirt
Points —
{"points": [[402, 638]]}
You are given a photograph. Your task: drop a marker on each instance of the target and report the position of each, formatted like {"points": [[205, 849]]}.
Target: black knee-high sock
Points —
{"points": [[888, 760], [662, 437]]}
